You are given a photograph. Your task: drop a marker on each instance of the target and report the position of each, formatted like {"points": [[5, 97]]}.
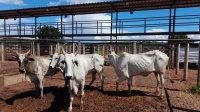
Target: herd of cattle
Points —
{"points": [[75, 67]]}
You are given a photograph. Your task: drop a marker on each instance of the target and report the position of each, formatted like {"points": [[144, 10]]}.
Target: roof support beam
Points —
{"points": [[73, 47], [35, 26], [61, 17], [4, 27], [174, 19], [111, 26], [116, 31]]}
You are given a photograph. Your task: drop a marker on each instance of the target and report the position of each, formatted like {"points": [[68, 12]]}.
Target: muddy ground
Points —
{"points": [[20, 97]]}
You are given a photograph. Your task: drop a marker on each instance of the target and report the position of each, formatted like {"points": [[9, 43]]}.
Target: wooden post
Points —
{"points": [[33, 47], [38, 49], [118, 49], [79, 47], [140, 48], [185, 77], [198, 74], [125, 48], [83, 48], [110, 48], [134, 48], [94, 51], [172, 58], [98, 47], [177, 58], [70, 48], [73, 48], [2, 52], [103, 50], [20, 48], [50, 49], [58, 47]]}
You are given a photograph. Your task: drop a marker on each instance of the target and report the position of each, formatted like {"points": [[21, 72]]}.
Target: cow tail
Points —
{"points": [[171, 80]]}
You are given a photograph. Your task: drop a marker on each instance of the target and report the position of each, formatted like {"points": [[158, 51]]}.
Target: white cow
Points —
{"points": [[58, 61], [128, 65], [77, 66], [35, 68]]}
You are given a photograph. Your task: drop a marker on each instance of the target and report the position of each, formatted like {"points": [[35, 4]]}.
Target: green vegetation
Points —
{"points": [[194, 90], [181, 36], [48, 32]]}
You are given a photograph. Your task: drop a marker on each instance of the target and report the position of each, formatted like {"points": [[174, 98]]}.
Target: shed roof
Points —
{"points": [[99, 7]]}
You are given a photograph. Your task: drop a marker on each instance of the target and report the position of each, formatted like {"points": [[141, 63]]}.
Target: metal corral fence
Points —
{"points": [[183, 54]]}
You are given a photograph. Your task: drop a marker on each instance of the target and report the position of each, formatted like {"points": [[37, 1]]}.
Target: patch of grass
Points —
{"points": [[194, 90]]}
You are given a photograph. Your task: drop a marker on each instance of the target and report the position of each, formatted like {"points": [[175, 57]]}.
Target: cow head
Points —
{"points": [[69, 61], [98, 62], [56, 60], [22, 58], [111, 58]]}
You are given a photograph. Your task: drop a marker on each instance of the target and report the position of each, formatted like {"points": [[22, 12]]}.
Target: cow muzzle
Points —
{"points": [[21, 70], [68, 77]]}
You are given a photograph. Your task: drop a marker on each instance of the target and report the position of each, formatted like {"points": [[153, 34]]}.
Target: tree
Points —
{"points": [[48, 33], [181, 36]]}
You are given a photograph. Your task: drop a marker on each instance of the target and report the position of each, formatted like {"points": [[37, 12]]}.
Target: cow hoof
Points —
{"points": [[41, 96], [157, 93], [81, 108]]}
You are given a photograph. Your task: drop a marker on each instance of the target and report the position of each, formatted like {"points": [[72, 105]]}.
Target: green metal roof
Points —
{"points": [[99, 7]]}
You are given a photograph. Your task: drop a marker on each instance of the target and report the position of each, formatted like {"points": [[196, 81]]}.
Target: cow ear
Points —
{"points": [[15, 57], [76, 63], [109, 52], [31, 59], [50, 57]]}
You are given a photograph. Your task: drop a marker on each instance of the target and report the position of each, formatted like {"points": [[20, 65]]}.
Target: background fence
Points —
{"points": [[184, 54]]}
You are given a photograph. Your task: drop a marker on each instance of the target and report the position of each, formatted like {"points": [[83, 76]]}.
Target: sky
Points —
{"points": [[20, 4]]}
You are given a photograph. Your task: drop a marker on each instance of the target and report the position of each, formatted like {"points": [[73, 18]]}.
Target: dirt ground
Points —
{"points": [[20, 97]]}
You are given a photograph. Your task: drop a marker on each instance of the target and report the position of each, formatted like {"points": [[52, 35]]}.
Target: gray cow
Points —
{"points": [[35, 68]]}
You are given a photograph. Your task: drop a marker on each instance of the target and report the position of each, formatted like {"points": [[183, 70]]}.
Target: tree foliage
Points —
{"points": [[47, 33], [181, 36]]}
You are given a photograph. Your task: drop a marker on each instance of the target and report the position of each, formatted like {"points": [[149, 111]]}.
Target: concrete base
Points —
{"points": [[10, 79]]}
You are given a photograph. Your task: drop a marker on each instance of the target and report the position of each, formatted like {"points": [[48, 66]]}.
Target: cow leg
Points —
{"points": [[41, 88], [93, 78], [82, 94], [102, 79], [162, 84], [129, 85], [70, 95], [122, 78], [158, 82], [36, 89]]}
